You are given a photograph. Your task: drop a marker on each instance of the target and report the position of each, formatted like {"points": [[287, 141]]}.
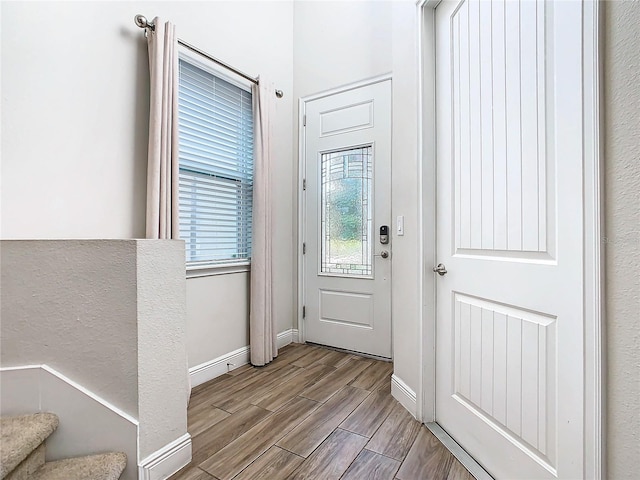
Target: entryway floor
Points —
{"points": [[312, 413]]}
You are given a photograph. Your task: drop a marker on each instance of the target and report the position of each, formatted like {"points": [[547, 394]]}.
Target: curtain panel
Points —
{"points": [[262, 327], [162, 170]]}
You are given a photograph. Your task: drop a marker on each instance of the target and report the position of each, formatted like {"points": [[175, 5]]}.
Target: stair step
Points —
{"points": [[21, 435], [106, 466]]}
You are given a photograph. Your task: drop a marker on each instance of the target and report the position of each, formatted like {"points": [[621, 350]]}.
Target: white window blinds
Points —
{"points": [[216, 167]]}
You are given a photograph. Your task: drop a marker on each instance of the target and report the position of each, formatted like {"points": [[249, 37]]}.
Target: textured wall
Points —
{"points": [[163, 388], [622, 217], [108, 314], [72, 305]]}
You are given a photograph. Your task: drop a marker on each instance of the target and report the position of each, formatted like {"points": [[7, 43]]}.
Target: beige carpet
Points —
{"points": [[106, 466], [21, 435]]}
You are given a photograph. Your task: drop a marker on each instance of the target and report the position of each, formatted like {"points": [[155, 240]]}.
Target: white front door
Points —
{"points": [[347, 200], [510, 334]]}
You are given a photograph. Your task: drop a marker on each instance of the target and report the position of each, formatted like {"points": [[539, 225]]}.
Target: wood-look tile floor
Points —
{"points": [[312, 413]]}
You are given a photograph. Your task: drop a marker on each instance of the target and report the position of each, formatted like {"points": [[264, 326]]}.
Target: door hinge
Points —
{"points": [[304, 120], [304, 248], [304, 312], [304, 184]]}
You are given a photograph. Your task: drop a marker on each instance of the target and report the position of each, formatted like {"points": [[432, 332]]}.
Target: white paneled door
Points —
{"points": [[510, 355], [347, 201]]}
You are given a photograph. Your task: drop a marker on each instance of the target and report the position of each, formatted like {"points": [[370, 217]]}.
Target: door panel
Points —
{"points": [[347, 294], [502, 208], [519, 371], [509, 356]]}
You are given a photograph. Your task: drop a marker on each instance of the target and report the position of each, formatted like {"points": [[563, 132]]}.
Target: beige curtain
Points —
{"points": [[262, 325], [162, 170]]}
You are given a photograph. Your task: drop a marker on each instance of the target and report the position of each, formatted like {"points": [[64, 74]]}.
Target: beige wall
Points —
{"points": [[622, 244]]}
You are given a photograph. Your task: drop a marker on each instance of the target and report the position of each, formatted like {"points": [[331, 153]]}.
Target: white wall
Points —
{"points": [[406, 198], [219, 324], [73, 121], [74, 130], [337, 43], [622, 246]]}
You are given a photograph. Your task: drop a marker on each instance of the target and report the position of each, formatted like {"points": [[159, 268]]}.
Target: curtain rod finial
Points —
{"points": [[142, 22]]}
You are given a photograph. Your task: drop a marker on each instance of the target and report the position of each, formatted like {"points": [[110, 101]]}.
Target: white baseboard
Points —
{"points": [[88, 423], [218, 366], [287, 337], [166, 461], [403, 394], [225, 363]]}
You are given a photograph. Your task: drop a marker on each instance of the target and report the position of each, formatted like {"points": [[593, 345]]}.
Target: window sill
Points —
{"points": [[195, 271]]}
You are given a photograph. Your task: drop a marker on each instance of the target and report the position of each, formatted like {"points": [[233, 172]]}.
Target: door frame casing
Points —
{"points": [[302, 110], [594, 422]]}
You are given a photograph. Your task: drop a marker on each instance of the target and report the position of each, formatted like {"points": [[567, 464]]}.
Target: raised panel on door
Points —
{"points": [[513, 388], [503, 188]]}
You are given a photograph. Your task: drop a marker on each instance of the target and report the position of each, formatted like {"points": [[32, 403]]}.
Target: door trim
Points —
{"points": [[594, 423], [426, 394], [302, 109]]}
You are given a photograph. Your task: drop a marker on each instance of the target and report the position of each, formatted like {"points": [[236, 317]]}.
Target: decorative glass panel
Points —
{"points": [[346, 193]]}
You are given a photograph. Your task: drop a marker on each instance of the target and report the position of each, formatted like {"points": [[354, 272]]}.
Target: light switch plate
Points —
{"points": [[400, 225]]}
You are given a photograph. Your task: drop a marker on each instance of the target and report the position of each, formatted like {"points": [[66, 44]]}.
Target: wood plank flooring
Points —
{"points": [[313, 414]]}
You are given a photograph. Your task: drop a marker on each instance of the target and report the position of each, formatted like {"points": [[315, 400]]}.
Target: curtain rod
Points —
{"points": [[142, 22]]}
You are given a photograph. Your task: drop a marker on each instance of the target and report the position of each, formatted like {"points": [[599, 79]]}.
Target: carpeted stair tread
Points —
{"points": [[106, 466], [21, 435]]}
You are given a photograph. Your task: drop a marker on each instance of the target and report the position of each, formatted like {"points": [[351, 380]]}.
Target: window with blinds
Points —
{"points": [[216, 167]]}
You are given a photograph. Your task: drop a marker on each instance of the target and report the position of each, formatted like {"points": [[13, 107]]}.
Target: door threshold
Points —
{"points": [[344, 350], [457, 451]]}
